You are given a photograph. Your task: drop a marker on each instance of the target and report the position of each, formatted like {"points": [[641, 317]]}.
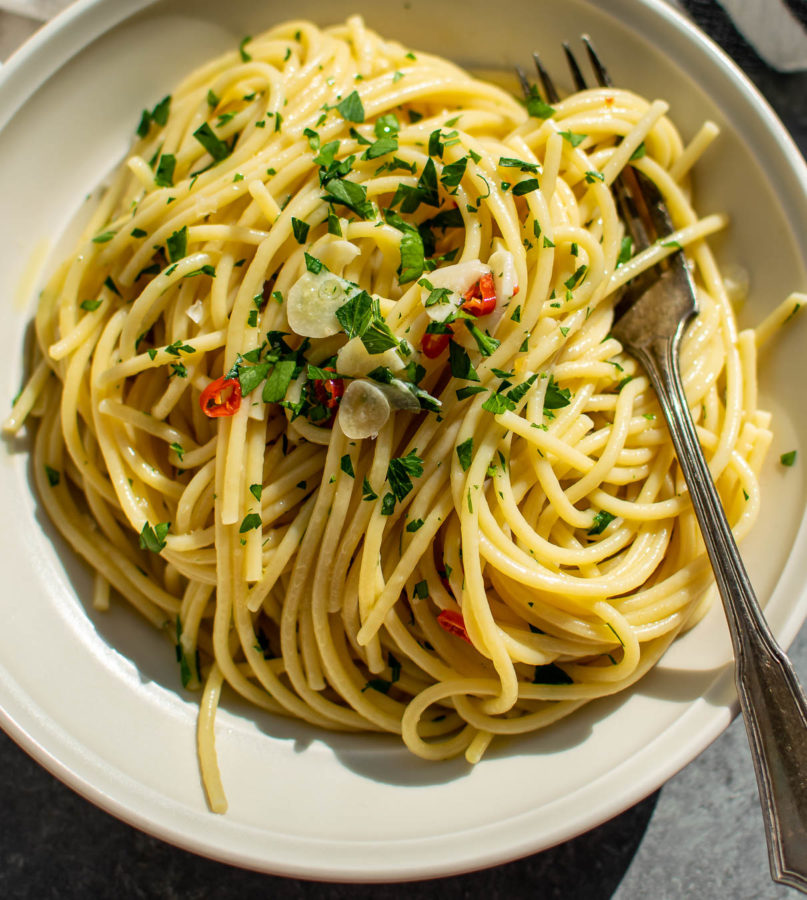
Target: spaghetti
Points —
{"points": [[326, 391]]}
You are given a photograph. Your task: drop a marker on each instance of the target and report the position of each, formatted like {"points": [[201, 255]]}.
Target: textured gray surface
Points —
{"points": [[701, 836], [705, 838]]}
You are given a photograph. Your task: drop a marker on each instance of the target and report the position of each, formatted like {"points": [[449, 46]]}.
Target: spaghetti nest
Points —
{"points": [[335, 402]]}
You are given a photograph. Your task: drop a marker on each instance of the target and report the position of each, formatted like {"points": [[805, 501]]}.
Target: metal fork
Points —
{"points": [[650, 320]]}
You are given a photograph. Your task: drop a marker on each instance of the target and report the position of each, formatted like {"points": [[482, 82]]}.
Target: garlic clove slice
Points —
{"points": [[312, 303], [354, 360], [363, 411]]}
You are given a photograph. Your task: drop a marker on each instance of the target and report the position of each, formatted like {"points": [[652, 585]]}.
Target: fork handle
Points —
{"points": [[772, 700]]}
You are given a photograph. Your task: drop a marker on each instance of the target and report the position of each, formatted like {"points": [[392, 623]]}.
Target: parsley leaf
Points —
{"points": [[638, 153], [525, 187], [351, 108], [177, 244], [452, 174], [555, 397], [601, 521], [381, 147], [367, 493], [574, 139], [413, 254], [214, 145], [487, 344], [314, 265], [250, 522], [536, 107], [498, 403], [465, 452], [460, 363], [399, 471], [154, 538], [278, 382], [251, 376], [350, 194], [355, 315], [510, 162], [625, 251], [300, 230]]}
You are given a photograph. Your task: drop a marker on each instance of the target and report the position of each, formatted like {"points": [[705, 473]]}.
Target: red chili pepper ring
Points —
{"points": [[221, 397], [453, 623]]}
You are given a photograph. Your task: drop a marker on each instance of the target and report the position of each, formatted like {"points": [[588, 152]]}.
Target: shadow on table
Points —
{"points": [[51, 837]]}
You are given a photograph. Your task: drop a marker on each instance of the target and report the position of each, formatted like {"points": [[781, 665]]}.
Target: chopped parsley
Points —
{"points": [[511, 163], [574, 139], [300, 230], [465, 452], [536, 107], [452, 174], [625, 251], [158, 115], [351, 108], [250, 522], [400, 472], [486, 344], [601, 521], [154, 538], [639, 152], [525, 187], [177, 244], [460, 363], [367, 492], [214, 145]]}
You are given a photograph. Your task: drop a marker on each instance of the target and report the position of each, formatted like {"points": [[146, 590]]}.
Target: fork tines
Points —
{"points": [[550, 92]]}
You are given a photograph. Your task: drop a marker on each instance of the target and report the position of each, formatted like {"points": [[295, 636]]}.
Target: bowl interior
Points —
{"points": [[96, 697]]}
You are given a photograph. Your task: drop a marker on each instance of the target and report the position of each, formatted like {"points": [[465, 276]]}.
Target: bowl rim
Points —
{"points": [[33, 64]]}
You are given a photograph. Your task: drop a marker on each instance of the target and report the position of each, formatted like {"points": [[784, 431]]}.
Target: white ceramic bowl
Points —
{"points": [[95, 697]]}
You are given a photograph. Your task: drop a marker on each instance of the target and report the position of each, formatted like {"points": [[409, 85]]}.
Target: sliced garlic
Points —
{"points": [[353, 359], [312, 303], [399, 396], [363, 411], [460, 276], [196, 311]]}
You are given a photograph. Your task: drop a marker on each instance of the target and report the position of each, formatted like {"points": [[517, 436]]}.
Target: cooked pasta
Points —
{"points": [[326, 391]]}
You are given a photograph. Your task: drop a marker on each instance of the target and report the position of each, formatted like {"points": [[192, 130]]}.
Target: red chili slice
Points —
{"points": [[433, 345], [221, 397], [329, 393], [453, 623], [480, 298]]}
